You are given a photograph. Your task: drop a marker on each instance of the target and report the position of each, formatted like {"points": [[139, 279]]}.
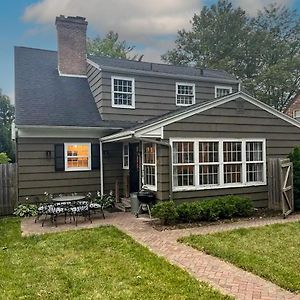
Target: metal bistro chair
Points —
{"points": [[80, 208]]}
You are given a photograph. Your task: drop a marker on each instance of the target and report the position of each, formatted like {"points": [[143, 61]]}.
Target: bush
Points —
{"points": [[4, 159], [25, 210], [206, 210], [166, 212], [294, 156]]}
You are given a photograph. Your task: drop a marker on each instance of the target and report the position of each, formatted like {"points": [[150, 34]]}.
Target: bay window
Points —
{"points": [[149, 165], [202, 164]]}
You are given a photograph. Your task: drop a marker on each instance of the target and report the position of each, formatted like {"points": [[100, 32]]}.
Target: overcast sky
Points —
{"points": [[151, 25]]}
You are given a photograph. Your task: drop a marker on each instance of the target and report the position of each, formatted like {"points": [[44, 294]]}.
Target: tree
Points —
{"points": [[111, 46], [4, 159], [6, 119], [262, 51]]}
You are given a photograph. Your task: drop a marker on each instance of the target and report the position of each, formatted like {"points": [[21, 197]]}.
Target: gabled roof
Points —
{"points": [[154, 128], [43, 98], [159, 68]]}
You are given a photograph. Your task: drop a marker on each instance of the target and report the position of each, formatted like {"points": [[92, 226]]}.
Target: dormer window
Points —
{"points": [[185, 94], [122, 92], [221, 91]]}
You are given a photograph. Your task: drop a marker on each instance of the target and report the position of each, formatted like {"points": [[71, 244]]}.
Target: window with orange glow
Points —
{"points": [[77, 157]]}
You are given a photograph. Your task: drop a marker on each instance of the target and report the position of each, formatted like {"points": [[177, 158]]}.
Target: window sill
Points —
{"points": [[77, 169], [123, 106], [217, 187]]}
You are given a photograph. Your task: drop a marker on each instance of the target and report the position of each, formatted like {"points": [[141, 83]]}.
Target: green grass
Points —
{"points": [[272, 252], [100, 263]]}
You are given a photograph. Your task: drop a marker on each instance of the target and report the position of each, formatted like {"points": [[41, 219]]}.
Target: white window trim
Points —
{"points": [[88, 168], [227, 87], [194, 93], [221, 184], [132, 106], [124, 166], [294, 113], [150, 187]]}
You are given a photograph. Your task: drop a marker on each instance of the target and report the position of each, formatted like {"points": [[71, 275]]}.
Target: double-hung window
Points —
{"points": [[221, 91], [185, 94], [202, 164], [149, 165], [183, 164], [125, 156], [122, 91], [77, 157]]}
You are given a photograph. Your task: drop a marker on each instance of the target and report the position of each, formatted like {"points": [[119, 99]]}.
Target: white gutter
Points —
{"points": [[65, 127], [118, 136]]}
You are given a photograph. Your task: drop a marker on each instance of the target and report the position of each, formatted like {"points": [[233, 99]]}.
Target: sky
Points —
{"points": [[150, 25]]}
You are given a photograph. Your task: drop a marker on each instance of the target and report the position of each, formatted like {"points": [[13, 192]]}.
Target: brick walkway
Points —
{"points": [[223, 276]]}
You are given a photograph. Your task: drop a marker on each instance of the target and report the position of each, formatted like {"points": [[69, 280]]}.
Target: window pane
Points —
{"points": [[254, 151], [232, 151], [183, 175], [122, 92], [208, 174], [208, 152], [149, 175], [223, 92], [254, 172], [77, 162], [149, 153], [183, 152], [185, 94], [233, 173]]}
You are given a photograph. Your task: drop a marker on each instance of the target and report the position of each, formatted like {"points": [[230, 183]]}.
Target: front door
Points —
{"points": [[134, 167]]}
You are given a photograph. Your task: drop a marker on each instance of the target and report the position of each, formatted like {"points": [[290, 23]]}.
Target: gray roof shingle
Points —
{"points": [[45, 98], [104, 61]]}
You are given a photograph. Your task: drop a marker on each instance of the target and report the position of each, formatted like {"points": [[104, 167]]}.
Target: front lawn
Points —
{"points": [[272, 252], [101, 263]]}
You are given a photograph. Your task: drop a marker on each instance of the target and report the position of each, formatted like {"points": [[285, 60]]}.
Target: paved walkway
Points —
{"points": [[223, 276]]}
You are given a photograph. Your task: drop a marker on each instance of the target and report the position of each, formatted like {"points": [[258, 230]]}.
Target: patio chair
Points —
{"points": [[80, 208], [97, 207], [53, 210]]}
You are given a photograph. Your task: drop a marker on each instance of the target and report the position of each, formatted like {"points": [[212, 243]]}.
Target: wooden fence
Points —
{"points": [[8, 188], [280, 185]]}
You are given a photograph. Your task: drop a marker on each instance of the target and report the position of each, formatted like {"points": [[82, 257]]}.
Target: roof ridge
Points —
{"points": [[32, 48]]}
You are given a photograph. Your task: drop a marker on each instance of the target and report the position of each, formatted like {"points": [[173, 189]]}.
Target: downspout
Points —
{"points": [[101, 169], [170, 161]]}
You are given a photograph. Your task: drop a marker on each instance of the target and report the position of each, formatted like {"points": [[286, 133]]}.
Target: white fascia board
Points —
{"points": [[155, 133], [118, 136], [93, 64]]}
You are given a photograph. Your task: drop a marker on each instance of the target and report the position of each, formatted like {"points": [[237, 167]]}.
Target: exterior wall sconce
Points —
{"points": [[48, 154]]}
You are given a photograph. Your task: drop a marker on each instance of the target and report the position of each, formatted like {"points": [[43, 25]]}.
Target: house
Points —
{"points": [[293, 109], [94, 123]]}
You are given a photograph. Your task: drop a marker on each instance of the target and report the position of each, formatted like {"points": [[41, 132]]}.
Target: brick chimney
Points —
{"points": [[71, 41]]}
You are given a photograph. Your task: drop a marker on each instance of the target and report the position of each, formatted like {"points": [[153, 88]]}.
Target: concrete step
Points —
{"points": [[124, 205]]}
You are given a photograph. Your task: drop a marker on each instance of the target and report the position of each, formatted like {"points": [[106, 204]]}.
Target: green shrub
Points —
{"points": [[206, 210], [165, 211], [294, 156], [25, 210]]}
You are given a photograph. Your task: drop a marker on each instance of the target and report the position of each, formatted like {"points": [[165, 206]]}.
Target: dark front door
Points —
{"points": [[134, 167]]}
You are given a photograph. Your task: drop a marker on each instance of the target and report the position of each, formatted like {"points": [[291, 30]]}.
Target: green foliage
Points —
{"points": [[111, 46], [6, 119], [262, 51], [105, 201], [25, 210], [4, 159], [294, 156], [165, 211], [206, 210]]}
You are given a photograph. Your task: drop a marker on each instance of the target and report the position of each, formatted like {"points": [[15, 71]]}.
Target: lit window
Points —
{"points": [[254, 161], [149, 165], [77, 157], [185, 94], [208, 163], [126, 156], [232, 157], [122, 92], [221, 91], [183, 164]]}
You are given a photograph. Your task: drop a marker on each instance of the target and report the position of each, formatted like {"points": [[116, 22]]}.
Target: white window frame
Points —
{"points": [[132, 106], [126, 167], [224, 87], [88, 168], [221, 184], [150, 187], [295, 113], [194, 93]]}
